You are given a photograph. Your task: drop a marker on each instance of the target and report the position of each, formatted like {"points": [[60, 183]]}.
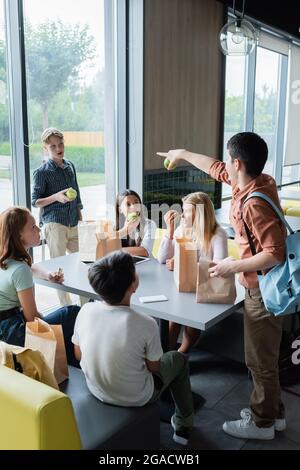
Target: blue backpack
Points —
{"points": [[280, 287]]}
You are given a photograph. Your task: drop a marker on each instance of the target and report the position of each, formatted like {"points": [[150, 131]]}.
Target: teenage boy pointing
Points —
{"points": [[247, 155]]}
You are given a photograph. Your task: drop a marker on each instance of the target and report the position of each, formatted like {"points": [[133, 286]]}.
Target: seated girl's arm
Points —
{"points": [[220, 245], [48, 276], [166, 250], [149, 236], [28, 304], [145, 249], [136, 250]]}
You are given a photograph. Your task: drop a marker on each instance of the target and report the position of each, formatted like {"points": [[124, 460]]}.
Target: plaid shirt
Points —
{"points": [[50, 178]]}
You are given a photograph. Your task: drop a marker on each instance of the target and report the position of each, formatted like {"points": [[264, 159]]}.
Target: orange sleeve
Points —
{"points": [[218, 172], [266, 228]]}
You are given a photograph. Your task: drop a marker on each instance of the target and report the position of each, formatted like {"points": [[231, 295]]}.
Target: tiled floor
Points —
{"points": [[226, 388]]}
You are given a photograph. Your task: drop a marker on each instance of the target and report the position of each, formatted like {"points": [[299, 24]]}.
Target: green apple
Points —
{"points": [[167, 163], [132, 216], [71, 194]]}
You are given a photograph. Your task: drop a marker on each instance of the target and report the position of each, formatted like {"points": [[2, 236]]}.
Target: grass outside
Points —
{"points": [[90, 179], [84, 179], [5, 174]]}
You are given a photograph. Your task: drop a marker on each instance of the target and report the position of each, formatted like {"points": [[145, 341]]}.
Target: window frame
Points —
{"points": [[13, 14], [279, 43]]}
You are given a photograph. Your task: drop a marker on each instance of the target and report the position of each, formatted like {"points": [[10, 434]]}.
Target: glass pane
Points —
{"points": [[64, 46], [234, 120], [65, 71], [6, 189], [291, 174], [266, 105]]}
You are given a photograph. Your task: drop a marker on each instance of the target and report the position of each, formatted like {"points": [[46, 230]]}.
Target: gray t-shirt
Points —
{"points": [[114, 342], [14, 279]]}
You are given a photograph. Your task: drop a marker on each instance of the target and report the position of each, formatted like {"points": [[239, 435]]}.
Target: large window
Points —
{"points": [[266, 106], [65, 71], [291, 174], [6, 190], [234, 104], [255, 99]]}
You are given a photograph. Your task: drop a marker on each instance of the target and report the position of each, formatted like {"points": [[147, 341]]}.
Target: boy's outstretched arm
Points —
{"points": [[203, 162]]}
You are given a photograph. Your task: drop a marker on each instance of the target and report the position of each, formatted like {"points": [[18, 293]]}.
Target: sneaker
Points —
{"points": [[182, 435], [245, 428], [279, 424]]}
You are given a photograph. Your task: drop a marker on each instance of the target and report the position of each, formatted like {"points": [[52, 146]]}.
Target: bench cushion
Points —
{"points": [[103, 426]]}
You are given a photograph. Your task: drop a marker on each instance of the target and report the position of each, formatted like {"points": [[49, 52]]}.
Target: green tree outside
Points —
{"points": [[55, 53], [265, 112]]}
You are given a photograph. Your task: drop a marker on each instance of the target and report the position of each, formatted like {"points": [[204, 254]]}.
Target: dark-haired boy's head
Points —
{"points": [[112, 276], [251, 150]]}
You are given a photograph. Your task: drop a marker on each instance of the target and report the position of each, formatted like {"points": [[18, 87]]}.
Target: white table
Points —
{"points": [[154, 279]]}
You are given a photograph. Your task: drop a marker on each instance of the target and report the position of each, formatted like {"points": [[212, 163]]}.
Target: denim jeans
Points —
{"points": [[12, 330]]}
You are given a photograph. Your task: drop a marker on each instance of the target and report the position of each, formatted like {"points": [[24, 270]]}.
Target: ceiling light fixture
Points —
{"points": [[238, 36]]}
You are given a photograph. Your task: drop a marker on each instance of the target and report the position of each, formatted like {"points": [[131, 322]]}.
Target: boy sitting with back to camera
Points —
{"points": [[119, 349]]}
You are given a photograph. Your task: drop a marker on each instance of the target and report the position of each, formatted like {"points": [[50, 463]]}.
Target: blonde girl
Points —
{"points": [[198, 223]]}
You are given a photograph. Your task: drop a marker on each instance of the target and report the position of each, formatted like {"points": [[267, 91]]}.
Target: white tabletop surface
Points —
{"points": [[155, 279]]}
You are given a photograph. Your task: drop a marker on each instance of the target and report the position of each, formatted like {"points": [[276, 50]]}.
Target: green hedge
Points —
{"points": [[85, 159], [5, 148]]}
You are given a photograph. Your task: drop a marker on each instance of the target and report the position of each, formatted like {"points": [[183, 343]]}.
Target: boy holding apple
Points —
{"points": [[56, 192]]}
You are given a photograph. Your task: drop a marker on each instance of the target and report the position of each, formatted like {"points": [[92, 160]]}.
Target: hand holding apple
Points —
{"points": [[131, 222], [167, 164], [132, 216], [172, 158], [61, 197], [170, 219], [71, 194]]}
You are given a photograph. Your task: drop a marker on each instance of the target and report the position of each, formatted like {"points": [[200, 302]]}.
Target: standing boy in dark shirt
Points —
{"points": [[59, 214]]}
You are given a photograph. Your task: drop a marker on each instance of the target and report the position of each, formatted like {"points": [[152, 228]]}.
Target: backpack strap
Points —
{"points": [[277, 212], [251, 243], [274, 207]]}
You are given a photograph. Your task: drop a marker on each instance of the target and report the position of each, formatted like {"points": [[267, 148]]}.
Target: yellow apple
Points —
{"points": [[167, 163], [71, 194], [132, 216]]}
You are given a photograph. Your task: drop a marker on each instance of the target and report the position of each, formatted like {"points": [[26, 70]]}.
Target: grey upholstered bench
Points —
{"points": [[103, 426]]}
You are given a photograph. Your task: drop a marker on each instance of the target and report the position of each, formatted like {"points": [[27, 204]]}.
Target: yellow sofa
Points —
{"points": [[293, 211], [289, 203], [35, 416]]}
